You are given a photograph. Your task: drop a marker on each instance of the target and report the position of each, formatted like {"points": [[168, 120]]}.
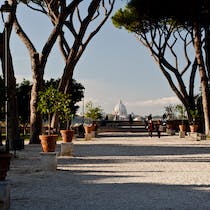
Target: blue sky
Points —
{"points": [[114, 67]]}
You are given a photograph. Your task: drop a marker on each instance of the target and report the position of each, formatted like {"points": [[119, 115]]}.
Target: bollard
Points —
{"points": [[48, 161], [93, 134], [4, 195], [67, 149]]}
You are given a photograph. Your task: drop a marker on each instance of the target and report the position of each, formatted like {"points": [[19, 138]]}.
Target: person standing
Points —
{"points": [[158, 128]]}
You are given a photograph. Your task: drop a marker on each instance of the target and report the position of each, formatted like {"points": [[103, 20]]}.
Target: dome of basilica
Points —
{"points": [[120, 111]]}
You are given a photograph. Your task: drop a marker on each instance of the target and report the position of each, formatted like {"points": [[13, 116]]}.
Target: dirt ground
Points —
{"points": [[115, 171]]}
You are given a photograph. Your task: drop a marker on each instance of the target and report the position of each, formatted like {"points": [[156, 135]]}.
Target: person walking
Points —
{"points": [[150, 127]]}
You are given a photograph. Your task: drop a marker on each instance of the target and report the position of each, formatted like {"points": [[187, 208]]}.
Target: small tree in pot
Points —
{"points": [[94, 113], [181, 111], [194, 123], [49, 102], [65, 114]]}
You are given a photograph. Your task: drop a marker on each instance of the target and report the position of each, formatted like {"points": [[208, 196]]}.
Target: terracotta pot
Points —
{"points": [[67, 135], [88, 128], [193, 128], [4, 165], [48, 142], [182, 127]]}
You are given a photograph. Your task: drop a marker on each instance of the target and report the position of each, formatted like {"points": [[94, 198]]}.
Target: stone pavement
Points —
{"points": [[112, 173]]}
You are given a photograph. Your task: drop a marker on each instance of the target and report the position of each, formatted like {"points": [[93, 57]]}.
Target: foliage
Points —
{"points": [[65, 113], [127, 18], [49, 101], [23, 91], [181, 111], [186, 14], [93, 112], [195, 115], [76, 92], [142, 18]]}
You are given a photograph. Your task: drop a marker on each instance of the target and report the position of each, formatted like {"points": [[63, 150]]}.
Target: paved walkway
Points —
{"points": [[112, 173]]}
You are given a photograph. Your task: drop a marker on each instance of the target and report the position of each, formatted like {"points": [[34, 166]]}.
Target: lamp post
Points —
{"points": [[6, 8]]}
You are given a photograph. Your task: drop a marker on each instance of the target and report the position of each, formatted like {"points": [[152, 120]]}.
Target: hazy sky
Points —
{"points": [[115, 66]]}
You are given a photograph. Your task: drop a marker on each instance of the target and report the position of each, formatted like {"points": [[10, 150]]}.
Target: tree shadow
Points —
{"points": [[143, 196], [136, 150], [96, 191], [101, 188], [88, 181]]}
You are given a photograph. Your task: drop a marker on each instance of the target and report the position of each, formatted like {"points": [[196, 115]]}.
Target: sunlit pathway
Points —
{"points": [[132, 172]]}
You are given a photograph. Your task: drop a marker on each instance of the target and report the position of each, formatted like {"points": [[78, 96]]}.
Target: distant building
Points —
{"points": [[120, 112]]}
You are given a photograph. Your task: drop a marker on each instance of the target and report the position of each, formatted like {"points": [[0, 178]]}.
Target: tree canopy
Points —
{"points": [[187, 11]]}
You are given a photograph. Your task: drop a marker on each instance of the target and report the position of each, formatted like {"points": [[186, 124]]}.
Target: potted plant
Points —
{"points": [[94, 113], [195, 115], [65, 115], [181, 111], [48, 103]]}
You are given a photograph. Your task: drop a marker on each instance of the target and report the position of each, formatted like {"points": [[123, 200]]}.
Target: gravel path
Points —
{"points": [[112, 173]]}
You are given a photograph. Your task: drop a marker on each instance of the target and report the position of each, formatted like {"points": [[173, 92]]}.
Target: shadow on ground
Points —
{"points": [[84, 183], [135, 150], [70, 190]]}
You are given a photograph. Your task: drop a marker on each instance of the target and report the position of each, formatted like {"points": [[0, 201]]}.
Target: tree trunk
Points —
{"points": [[181, 93], [13, 124], [12, 115], [35, 116], [38, 62], [203, 75], [207, 49]]}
